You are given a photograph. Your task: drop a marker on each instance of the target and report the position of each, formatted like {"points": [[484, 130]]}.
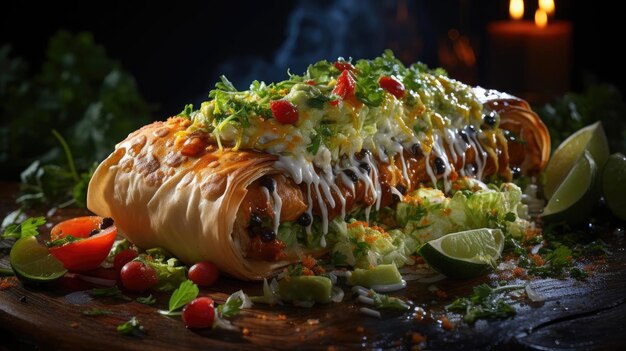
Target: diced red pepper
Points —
{"points": [[392, 85], [343, 66], [345, 87], [284, 111]]}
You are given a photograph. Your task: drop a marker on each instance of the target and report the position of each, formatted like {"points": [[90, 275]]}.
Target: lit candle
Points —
{"points": [[530, 59]]}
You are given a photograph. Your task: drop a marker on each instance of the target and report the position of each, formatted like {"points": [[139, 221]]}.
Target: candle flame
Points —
{"points": [[516, 9], [541, 18], [547, 6]]}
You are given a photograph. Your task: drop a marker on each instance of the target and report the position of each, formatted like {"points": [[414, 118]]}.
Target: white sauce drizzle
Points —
{"points": [[384, 145], [277, 207]]}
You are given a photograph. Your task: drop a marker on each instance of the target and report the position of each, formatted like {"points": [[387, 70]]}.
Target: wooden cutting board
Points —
{"points": [[587, 314]]}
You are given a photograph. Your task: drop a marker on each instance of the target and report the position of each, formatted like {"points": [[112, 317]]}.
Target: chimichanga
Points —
{"points": [[254, 180]]}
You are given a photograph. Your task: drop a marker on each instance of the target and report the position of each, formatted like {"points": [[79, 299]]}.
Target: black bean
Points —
{"points": [[440, 165], [464, 136], [401, 189], [350, 173], [361, 154], [255, 220], [516, 172], [267, 234], [254, 230], [365, 167], [268, 183], [346, 219], [416, 149], [304, 219], [489, 120], [471, 130], [106, 222], [395, 198], [94, 232]]}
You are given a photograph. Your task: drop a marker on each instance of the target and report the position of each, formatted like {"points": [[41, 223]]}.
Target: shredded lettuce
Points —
{"points": [[428, 214], [363, 246], [425, 215]]}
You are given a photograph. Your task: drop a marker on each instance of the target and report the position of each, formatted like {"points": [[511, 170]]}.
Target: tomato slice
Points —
{"points": [[89, 251]]}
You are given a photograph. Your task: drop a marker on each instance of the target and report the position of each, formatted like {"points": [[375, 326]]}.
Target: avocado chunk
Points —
{"points": [[384, 274], [305, 288]]}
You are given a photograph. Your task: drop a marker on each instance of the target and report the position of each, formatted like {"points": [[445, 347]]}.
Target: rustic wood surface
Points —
{"points": [[589, 314]]}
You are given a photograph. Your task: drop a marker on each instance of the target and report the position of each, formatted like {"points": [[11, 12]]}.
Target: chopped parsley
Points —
{"points": [[484, 303], [29, 227], [132, 327]]}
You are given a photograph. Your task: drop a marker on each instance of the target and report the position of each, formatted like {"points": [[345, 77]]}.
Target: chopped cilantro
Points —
{"points": [[133, 327], [25, 229], [485, 303]]}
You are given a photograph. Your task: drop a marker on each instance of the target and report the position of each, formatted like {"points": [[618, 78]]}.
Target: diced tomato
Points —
{"points": [[122, 258], [345, 87], [137, 276], [343, 66], [310, 82], [204, 273], [89, 251], [392, 85], [199, 313], [284, 111]]}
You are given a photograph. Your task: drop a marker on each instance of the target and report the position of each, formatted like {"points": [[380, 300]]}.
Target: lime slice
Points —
{"points": [[576, 196], [464, 254], [614, 185], [33, 264], [590, 138]]}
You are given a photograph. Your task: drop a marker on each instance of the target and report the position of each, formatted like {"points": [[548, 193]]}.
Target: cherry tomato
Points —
{"points": [[136, 276], [199, 313], [392, 85], [343, 66], [204, 273], [122, 258], [345, 86], [93, 245], [284, 111]]}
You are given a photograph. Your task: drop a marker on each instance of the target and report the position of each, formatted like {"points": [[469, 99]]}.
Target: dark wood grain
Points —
{"points": [[588, 314]]}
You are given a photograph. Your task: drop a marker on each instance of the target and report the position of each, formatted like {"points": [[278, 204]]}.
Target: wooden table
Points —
{"points": [[589, 314]]}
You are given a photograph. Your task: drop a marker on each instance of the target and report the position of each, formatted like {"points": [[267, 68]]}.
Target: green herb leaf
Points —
{"points": [[147, 300], [186, 112], [62, 241], [318, 101], [118, 246], [510, 217], [186, 292], [25, 229], [132, 327], [485, 303], [338, 258], [383, 301], [231, 307], [96, 312], [113, 291]]}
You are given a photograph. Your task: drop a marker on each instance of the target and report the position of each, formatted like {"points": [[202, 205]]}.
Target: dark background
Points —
{"points": [[177, 50]]}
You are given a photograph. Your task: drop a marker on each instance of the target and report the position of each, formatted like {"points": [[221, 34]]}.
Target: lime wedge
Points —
{"points": [[464, 254], [576, 197], [33, 264], [590, 138], [614, 185]]}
